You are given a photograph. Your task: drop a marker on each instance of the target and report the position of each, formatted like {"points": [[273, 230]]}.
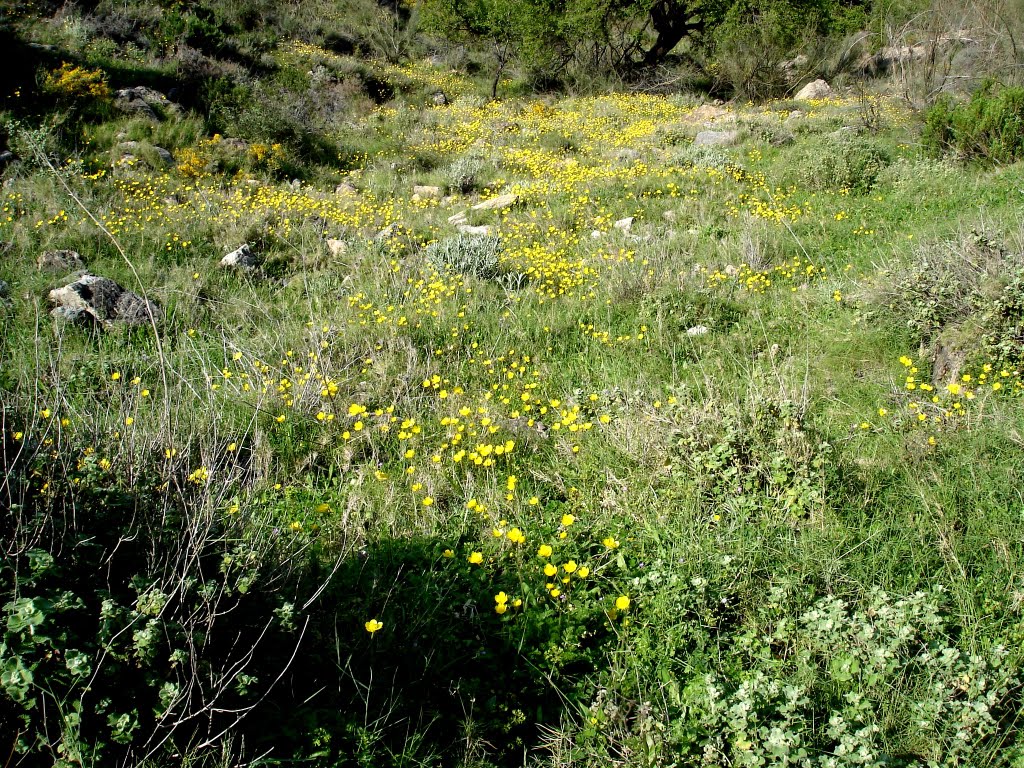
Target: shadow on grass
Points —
{"points": [[138, 625], [444, 675]]}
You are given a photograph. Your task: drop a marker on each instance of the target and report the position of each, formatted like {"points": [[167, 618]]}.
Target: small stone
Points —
{"points": [[337, 248], [596, 234], [624, 225], [60, 261], [458, 218], [627, 155], [6, 158], [817, 89], [669, 215], [466, 229], [439, 99], [165, 156], [345, 189], [431, 193], [497, 203], [731, 270], [241, 258], [697, 330], [388, 232], [716, 138]]}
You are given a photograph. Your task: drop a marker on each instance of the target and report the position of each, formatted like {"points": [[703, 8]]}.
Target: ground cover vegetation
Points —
{"points": [[586, 425]]}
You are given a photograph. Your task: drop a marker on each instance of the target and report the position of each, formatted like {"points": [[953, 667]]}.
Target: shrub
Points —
{"points": [[963, 299], [463, 175], [755, 460], [74, 83], [701, 157], [989, 127], [466, 255], [842, 161]]}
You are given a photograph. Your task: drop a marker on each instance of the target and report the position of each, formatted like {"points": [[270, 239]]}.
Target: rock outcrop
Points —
{"points": [[92, 300]]}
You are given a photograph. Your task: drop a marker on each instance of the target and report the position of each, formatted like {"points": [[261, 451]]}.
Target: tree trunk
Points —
{"points": [[672, 20]]}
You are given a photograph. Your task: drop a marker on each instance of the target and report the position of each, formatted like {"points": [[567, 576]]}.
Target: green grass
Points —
{"points": [[806, 574]]}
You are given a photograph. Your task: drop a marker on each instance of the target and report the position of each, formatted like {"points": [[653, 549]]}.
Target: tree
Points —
{"points": [[621, 35]]}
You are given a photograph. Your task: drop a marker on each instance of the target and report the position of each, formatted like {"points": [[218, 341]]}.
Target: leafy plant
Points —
{"points": [[989, 127], [473, 255]]}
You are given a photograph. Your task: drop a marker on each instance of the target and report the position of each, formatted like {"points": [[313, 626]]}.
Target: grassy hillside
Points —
{"points": [[537, 431]]}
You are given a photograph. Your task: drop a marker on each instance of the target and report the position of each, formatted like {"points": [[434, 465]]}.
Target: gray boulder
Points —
{"points": [[95, 300], [439, 99], [147, 102], [165, 156], [716, 138]]}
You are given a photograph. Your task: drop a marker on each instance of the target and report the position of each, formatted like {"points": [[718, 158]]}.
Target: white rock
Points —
{"points": [[241, 258], [624, 225], [466, 229], [501, 201], [697, 330], [458, 218], [818, 89], [337, 247], [430, 193], [389, 231]]}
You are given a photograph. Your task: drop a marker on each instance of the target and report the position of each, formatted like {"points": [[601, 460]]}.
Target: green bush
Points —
{"points": [[843, 161], [466, 255], [464, 174], [988, 127]]}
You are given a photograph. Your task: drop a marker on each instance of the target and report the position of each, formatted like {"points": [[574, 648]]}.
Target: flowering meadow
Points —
{"points": [[537, 434]]}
